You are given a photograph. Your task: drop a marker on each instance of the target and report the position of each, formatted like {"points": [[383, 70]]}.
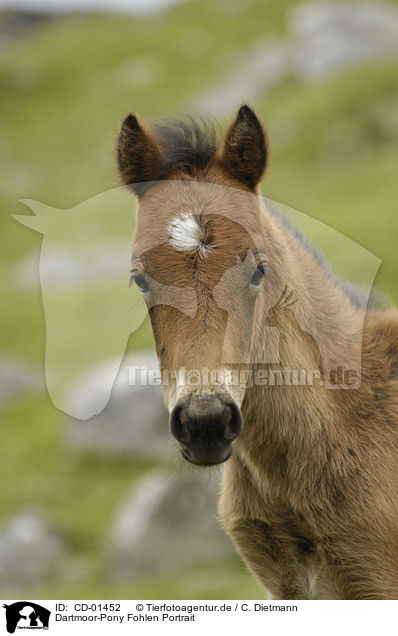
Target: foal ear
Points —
{"points": [[245, 148], [138, 155]]}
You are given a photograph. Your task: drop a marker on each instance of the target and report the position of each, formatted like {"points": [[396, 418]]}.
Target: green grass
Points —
{"points": [[39, 471], [65, 87], [339, 164], [79, 496]]}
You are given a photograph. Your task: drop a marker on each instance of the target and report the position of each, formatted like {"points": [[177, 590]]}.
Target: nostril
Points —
{"points": [[177, 426], [234, 423], [206, 423]]}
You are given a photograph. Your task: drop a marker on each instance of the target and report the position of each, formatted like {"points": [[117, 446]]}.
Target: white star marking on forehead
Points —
{"points": [[186, 234]]}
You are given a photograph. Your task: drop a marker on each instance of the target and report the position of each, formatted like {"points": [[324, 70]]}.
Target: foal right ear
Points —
{"points": [[245, 148], [138, 155]]}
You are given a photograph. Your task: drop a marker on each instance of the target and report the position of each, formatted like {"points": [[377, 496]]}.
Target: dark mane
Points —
{"points": [[189, 143]]}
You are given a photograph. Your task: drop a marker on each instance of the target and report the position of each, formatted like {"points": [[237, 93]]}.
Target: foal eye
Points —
{"points": [[258, 274], [140, 281]]}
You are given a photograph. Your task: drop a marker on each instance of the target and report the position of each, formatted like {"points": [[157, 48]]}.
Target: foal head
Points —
{"points": [[200, 258]]}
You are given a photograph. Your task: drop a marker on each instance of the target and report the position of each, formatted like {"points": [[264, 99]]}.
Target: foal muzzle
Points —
{"points": [[205, 426]]}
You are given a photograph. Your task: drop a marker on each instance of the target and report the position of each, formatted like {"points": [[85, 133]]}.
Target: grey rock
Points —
{"points": [[331, 37], [17, 23], [166, 524], [29, 548], [323, 38], [16, 378], [135, 420], [266, 64]]}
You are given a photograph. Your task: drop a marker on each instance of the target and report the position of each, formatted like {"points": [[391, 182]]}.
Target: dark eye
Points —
{"points": [[258, 274], [140, 281]]}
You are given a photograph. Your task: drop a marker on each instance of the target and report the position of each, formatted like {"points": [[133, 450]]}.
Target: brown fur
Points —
{"points": [[310, 494]]}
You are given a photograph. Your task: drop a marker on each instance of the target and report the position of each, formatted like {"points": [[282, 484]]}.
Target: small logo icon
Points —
{"points": [[26, 615]]}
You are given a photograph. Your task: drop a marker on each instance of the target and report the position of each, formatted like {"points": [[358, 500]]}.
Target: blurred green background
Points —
{"points": [[66, 82]]}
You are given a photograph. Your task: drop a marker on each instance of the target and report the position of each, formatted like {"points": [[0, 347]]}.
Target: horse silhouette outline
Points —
{"points": [[79, 333]]}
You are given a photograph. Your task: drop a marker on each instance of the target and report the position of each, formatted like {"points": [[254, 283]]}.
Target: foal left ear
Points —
{"points": [[138, 155], [245, 148]]}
